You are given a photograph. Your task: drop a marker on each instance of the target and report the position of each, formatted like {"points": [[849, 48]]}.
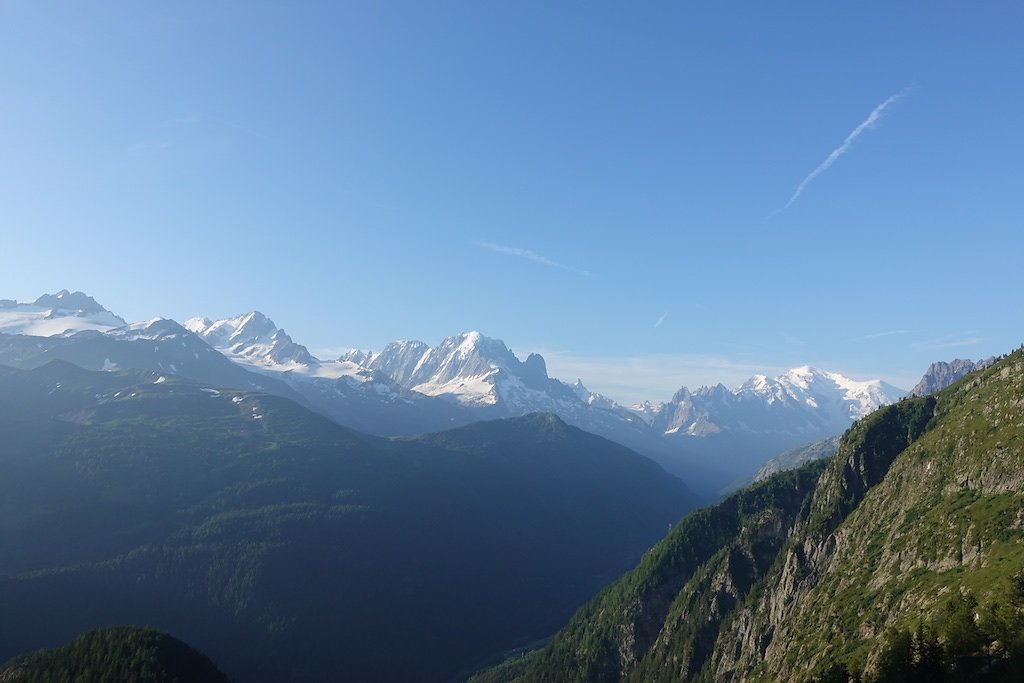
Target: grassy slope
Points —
{"points": [[923, 501], [947, 518], [611, 635]]}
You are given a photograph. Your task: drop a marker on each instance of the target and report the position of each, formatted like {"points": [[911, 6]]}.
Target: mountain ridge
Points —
{"points": [[711, 436], [903, 554], [941, 374]]}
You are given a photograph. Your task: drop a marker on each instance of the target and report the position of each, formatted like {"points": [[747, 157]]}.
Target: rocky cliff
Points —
{"points": [[829, 570]]}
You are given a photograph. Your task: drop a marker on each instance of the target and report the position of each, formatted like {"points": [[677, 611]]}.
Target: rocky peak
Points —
{"points": [[534, 372], [399, 360], [251, 335], [70, 301], [719, 391], [682, 395], [357, 356], [941, 374]]}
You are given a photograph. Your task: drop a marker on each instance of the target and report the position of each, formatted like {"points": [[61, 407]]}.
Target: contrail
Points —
{"points": [[530, 256], [839, 151]]}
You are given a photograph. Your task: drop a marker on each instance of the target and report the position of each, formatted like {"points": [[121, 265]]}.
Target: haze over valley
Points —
{"points": [[511, 342]]}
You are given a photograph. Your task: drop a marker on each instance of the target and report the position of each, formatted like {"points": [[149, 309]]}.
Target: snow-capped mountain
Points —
{"points": [[803, 401], [254, 341], [474, 371], [160, 345], [411, 387], [347, 390], [594, 399], [485, 379], [51, 314]]}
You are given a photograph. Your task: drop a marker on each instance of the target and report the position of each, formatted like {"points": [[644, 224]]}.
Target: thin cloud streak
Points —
{"points": [[950, 342], [530, 256], [839, 151], [661, 319], [879, 335]]}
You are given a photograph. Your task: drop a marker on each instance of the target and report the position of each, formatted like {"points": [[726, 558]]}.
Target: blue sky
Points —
{"points": [[603, 182]]}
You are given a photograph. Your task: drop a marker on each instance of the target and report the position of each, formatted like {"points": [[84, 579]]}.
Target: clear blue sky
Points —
{"points": [[562, 176]]}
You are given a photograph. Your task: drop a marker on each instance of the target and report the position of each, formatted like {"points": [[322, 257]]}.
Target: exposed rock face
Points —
{"points": [[941, 374], [795, 457], [923, 500], [70, 301], [863, 461]]}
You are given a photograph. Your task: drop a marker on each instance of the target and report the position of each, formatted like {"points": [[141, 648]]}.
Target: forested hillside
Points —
{"points": [[901, 558], [280, 543], [115, 654]]}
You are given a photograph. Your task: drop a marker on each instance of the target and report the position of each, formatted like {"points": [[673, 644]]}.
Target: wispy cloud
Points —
{"points": [[794, 341], [951, 341], [661, 319], [839, 151], [530, 256], [878, 335]]}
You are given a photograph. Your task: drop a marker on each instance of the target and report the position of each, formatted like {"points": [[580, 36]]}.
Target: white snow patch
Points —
{"points": [[36, 321], [468, 391]]}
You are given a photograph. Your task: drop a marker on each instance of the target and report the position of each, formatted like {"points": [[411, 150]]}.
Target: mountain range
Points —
{"points": [[205, 479], [710, 436]]}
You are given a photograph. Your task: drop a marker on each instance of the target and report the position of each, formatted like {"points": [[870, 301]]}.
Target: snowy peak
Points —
{"points": [[399, 360], [719, 391], [68, 301], [252, 336], [591, 398], [356, 356], [804, 400], [817, 388], [56, 314], [255, 342], [647, 411], [153, 329], [473, 370], [581, 390], [247, 329], [463, 367]]}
